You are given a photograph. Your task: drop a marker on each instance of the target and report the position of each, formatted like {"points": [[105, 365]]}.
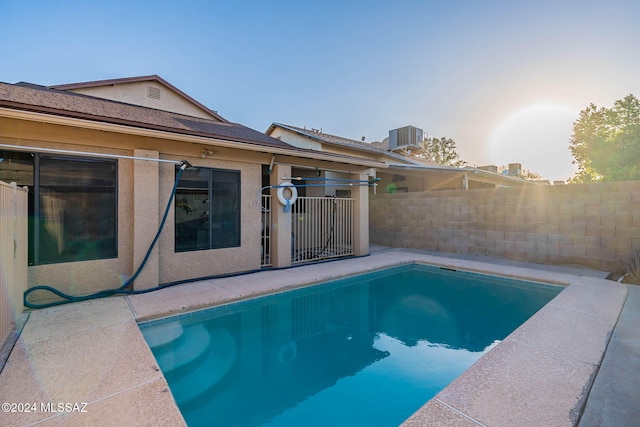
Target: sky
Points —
{"points": [[504, 79]]}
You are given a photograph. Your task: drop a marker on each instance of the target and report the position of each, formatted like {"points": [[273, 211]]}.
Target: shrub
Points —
{"points": [[631, 266]]}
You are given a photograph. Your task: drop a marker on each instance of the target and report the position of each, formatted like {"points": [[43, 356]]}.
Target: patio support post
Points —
{"points": [[146, 217], [280, 220], [360, 216]]}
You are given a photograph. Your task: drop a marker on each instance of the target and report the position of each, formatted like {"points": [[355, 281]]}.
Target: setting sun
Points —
{"points": [[537, 137]]}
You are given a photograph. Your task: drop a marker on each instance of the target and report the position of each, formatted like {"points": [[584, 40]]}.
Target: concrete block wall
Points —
{"points": [[593, 225]]}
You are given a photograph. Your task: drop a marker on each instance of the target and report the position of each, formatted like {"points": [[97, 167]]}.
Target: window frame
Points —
{"points": [[36, 220], [210, 195]]}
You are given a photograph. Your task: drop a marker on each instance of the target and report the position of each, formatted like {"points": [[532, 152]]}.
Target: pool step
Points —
{"points": [[210, 371], [193, 344], [162, 335]]}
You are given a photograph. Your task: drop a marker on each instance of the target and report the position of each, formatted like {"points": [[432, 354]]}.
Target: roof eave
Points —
{"points": [[498, 176], [137, 129], [489, 176], [371, 150]]}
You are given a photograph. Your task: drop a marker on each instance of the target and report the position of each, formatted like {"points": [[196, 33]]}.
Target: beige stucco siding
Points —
{"points": [[296, 140], [301, 141], [399, 181], [137, 93], [143, 191], [85, 277], [176, 266]]}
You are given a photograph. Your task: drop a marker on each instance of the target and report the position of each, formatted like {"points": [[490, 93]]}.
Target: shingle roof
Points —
{"points": [[326, 137], [31, 97]]}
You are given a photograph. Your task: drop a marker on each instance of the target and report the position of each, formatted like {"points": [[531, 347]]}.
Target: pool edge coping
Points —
{"points": [[569, 410], [138, 391]]}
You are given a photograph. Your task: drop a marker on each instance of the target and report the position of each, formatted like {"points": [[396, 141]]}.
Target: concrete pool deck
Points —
{"points": [[567, 365]]}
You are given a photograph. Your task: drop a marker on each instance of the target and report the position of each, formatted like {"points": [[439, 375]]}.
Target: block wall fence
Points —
{"points": [[592, 225]]}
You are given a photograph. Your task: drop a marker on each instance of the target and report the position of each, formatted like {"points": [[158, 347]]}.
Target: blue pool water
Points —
{"points": [[365, 350]]}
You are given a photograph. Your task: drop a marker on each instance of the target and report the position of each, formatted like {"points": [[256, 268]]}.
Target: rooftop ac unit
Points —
{"points": [[405, 137]]}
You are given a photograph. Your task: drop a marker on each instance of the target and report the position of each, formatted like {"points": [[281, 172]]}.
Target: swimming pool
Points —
{"points": [[369, 349]]}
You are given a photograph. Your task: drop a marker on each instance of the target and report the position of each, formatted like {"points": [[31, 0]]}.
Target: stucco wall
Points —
{"points": [[136, 93], [399, 182], [174, 266], [594, 225], [143, 192], [84, 277], [295, 139]]}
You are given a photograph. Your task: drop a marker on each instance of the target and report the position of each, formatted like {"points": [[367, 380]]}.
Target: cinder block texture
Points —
{"points": [[592, 225]]}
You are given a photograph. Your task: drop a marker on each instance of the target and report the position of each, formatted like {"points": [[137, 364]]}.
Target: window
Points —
{"points": [[72, 205], [207, 210]]}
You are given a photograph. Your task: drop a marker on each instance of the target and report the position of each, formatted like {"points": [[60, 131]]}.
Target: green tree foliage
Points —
{"points": [[525, 174], [606, 142], [443, 151]]}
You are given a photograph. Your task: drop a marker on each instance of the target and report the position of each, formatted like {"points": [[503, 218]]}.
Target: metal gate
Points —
{"points": [[265, 234], [322, 228]]}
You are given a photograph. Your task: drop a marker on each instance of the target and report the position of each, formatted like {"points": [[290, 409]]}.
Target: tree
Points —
{"points": [[443, 151], [606, 142], [525, 174], [529, 175]]}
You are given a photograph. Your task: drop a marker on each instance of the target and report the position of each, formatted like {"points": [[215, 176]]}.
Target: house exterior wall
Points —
{"points": [[361, 220], [392, 182], [145, 216], [437, 177], [302, 141], [593, 225], [137, 93], [174, 266], [84, 277], [309, 173], [280, 221], [135, 184], [354, 152], [296, 139], [443, 181], [400, 181], [330, 191]]}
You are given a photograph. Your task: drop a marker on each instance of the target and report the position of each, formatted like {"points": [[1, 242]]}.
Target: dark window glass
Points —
{"points": [[72, 205], [192, 211], [77, 209], [207, 210]]}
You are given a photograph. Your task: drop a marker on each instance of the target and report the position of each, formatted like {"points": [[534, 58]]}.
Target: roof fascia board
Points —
{"points": [[161, 134]]}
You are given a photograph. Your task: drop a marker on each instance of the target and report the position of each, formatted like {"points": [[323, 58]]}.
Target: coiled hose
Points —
{"points": [[122, 289]]}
